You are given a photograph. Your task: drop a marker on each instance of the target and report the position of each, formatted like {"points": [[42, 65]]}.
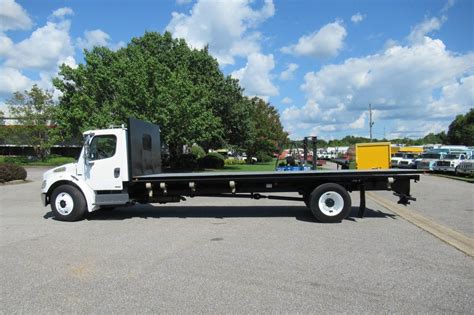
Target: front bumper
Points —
{"points": [[444, 168], [468, 171]]}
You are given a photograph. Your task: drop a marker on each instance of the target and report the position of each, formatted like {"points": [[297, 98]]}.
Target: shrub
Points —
{"points": [[234, 162], [186, 162], [212, 160], [198, 151], [9, 172], [263, 157], [18, 159]]}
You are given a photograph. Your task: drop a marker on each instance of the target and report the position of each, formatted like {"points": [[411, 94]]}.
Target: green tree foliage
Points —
{"points": [[461, 130], [266, 134], [34, 110], [158, 79], [434, 138], [2, 121]]}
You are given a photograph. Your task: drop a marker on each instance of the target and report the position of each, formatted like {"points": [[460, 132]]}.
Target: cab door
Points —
{"points": [[102, 170]]}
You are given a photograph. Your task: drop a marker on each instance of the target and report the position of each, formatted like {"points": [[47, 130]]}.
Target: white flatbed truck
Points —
{"points": [[122, 166]]}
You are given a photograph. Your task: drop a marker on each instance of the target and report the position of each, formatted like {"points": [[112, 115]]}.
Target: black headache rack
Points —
{"points": [[149, 184], [144, 148]]}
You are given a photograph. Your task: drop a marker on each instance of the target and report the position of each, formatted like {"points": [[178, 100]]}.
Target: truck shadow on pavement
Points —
{"points": [[219, 212]]}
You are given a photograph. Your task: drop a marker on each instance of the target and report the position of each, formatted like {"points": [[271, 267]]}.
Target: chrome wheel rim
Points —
{"points": [[64, 203], [331, 203]]}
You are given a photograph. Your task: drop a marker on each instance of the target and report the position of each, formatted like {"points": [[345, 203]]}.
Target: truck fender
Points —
{"points": [[68, 179]]}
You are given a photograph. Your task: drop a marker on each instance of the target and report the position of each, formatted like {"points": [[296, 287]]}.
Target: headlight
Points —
{"points": [[59, 170], [43, 184]]}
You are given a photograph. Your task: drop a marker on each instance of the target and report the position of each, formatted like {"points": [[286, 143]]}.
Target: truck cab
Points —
{"points": [[101, 167], [408, 160], [449, 162], [396, 158], [466, 167], [428, 159]]}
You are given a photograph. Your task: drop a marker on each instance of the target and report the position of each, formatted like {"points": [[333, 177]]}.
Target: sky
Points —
{"points": [[319, 62]]}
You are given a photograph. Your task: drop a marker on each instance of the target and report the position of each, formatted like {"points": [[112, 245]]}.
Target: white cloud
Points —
{"points": [[97, 38], [255, 77], [182, 2], [93, 38], [359, 123], [289, 72], [287, 101], [448, 5], [41, 53], [414, 83], [324, 43], [45, 47], [357, 18], [13, 16], [12, 80], [226, 26], [426, 27], [62, 12], [6, 45]]}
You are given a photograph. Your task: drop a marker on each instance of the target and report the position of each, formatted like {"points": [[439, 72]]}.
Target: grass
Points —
{"points": [[53, 160], [257, 167]]}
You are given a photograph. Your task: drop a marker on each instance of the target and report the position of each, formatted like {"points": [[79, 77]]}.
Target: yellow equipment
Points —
{"points": [[411, 149], [374, 155]]}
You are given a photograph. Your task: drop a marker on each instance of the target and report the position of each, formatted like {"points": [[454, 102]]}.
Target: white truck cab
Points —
{"points": [[396, 158], [102, 167], [449, 162], [408, 160]]}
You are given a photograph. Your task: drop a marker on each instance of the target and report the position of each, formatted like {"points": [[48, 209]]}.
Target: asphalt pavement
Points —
{"points": [[216, 255]]}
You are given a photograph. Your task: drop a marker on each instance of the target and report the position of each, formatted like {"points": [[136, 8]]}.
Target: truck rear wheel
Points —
{"points": [[68, 203], [330, 203]]}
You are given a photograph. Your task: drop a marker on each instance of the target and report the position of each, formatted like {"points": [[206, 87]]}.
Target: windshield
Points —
{"points": [[398, 155], [452, 156], [410, 156], [431, 156]]}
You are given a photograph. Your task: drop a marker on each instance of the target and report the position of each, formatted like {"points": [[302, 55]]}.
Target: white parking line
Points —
{"points": [[447, 235]]}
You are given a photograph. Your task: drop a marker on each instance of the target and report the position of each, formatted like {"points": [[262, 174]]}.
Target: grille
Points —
{"points": [[443, 163]]}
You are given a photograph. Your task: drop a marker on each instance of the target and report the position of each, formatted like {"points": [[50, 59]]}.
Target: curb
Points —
{"points": [[459, 241], [16, 182]]}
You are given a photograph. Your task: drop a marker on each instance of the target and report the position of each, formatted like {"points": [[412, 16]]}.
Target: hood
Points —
{"points": [[66, 168]]}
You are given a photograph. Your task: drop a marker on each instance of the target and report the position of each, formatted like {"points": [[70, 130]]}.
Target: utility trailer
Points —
{"points": [[122, 166]]}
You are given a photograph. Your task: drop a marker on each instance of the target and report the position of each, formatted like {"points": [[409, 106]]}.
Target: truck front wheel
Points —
{"points": [[330, 203], [68, 203]]}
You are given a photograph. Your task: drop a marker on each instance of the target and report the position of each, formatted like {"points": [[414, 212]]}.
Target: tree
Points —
{"points": [[2, 120], [158, 79], [433, 138], [461, 130], [266, 134], [34, 111]]}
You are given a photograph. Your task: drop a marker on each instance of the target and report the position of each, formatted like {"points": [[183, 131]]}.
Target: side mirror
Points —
{"points": [[87, 142]]}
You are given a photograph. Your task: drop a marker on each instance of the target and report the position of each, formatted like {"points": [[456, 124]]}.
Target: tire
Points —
{"points": [[68, 203], [306, 199], [330, 203]]}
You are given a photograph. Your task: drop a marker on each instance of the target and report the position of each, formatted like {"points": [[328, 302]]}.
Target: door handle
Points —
{"points": [[117, 172]]}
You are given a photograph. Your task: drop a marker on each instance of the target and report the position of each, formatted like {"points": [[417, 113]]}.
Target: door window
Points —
{"points": [[102, 147]]}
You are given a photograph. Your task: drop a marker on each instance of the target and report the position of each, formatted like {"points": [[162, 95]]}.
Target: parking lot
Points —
{"points": [[217, 255]]}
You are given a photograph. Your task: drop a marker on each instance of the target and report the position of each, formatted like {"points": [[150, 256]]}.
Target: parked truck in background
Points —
{"points": [[428, 159], [122, 166], [449, 162]]}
